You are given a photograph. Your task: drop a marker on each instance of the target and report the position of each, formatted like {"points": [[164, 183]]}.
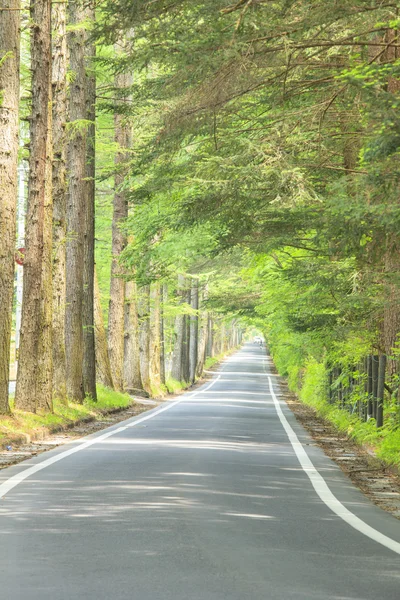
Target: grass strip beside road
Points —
{"points": [[22, 426]]}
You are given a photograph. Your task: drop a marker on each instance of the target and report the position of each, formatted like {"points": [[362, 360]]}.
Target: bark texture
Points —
{"points": [[194, 331], [9, 103], [34, 379], [116, 316], [162, 334], [132, 378], [179, 335], [89, 358], [155, 315], [59, 112], [144, 336], [103, 368], [76, 211]]}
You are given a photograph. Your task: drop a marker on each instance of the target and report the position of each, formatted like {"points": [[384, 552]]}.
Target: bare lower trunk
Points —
{"points": [[132, 378], [391, 315], [103, 369], [155, 377], [210, 337], [76, 211], [34, 380], [179, 335], [194, 332], [89, 358], [9, 104], [202, 345], [59, 107], [144, 336], [162, 334], [123, 137]]}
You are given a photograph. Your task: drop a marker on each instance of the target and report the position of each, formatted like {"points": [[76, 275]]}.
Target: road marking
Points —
{"points": [[15, 480], [321, 487]]}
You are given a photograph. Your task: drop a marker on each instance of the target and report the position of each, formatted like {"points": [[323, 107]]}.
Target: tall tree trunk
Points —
{"points": [[34, 380], [59, 107], [155, 308], [203, 338], [144, 336], [179, 335], [9, 104], [89, 357], [103, 369], [76, 211], [164, 290], [194, 331], [210, 337], [132, 378], [123, 137]]}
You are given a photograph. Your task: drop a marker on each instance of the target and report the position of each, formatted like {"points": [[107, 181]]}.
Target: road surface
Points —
{"points": [[220, 495]]}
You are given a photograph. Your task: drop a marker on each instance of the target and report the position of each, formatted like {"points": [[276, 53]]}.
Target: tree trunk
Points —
{"points": [[35, 377], [59, 108], [179, 334], [89, 357], [194, 331], [103, 369], [203, 338], [132, 378], [123, 137], [210, 337], [9, 105], [162, 335], [391, 312], [76, 211], [155, 309], [144, 336]]}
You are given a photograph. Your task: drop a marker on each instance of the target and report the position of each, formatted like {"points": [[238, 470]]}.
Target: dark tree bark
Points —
{"points": [[9, 105], [194, 331], [34, 379], [76, 210], [164, 291], [123, 137], [132, 377], [59, 108], [103, 369], [89, 355], [144, 336], [179, 335]]}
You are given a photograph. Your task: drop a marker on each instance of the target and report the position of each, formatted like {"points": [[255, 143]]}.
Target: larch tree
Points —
{"points": [[116, 316], [132, 376], [76, 201], [194, 331], [59, 115], [9, 109], [89, 358], [144, 336], [35, 376]]}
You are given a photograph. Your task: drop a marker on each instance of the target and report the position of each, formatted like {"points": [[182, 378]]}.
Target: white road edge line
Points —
{"points": [[15, 480], [321, 487]]}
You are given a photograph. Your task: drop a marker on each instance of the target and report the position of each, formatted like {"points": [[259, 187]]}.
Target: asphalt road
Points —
{"points": [[203, 499]]}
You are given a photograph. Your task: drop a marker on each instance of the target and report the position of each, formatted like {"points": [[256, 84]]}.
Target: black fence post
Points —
{"points": [[380, 390], [369, 387], [375, 368]]}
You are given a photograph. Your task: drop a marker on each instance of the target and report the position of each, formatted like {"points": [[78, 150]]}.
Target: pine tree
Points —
{"points": [[34, 379], [9, 107]]}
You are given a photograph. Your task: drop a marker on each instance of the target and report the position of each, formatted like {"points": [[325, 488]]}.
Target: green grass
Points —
{"points": [[174, 387], [30, 425], [311, 388]]}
